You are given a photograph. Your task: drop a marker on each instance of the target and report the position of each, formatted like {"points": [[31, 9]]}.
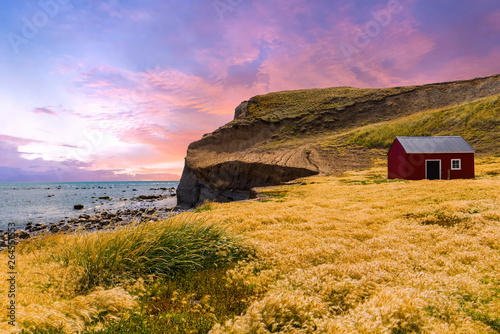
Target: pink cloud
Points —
{"points": [[15, 168], [18, 141], [44, 111], [493, 20]]}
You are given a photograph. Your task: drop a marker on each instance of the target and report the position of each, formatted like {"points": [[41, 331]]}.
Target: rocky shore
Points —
{"points": [[101, 219]]}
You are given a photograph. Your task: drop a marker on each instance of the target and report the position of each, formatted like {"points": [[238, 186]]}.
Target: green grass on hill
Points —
{"points": [[288, 104], [477, 122]]}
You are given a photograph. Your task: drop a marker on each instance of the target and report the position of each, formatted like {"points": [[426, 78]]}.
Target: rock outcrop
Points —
{"points": [[255, 151]]}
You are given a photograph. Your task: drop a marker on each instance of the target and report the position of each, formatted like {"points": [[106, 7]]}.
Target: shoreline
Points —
{"points": [[44, 202], [100, 220]]}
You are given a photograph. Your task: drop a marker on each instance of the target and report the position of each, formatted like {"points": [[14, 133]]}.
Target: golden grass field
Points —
{"points": [[349, 254], [356, 254]]}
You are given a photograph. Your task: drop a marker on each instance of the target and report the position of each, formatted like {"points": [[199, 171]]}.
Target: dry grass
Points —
{"points": [[83, 281], [349, 254], [360, 254], [47, 298]]}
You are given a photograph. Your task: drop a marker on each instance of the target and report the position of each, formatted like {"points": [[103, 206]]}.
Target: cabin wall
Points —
{"points": [[396, 161], [415, 165]]}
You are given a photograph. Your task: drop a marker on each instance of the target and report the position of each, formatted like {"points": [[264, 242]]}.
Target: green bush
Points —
{"points": [[163, 248]]}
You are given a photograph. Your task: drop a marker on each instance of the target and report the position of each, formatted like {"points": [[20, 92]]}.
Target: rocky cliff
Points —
{"points": [[282, 136]]}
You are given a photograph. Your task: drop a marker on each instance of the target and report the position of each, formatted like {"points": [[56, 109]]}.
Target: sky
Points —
{"points": [[115, 90]]}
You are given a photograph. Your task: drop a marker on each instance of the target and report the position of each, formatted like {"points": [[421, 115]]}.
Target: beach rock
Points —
{"points": [[3, 244], [54, 228], [65, 228], [21, 234], [40, 226], [146, 197], [105, 222], [78, 207], [84, 216]]}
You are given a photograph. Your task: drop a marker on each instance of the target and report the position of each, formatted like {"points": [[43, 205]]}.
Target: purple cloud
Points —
{"points": [[44, 111]]}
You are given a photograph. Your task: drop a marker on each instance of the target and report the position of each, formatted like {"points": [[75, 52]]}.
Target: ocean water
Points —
{"points": [[51, 202]]}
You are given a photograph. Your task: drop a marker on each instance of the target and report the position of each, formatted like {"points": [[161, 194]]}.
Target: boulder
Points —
{"points": [[40, 226], [105, 222], [21, 234], [64, 228], [54, 228]]}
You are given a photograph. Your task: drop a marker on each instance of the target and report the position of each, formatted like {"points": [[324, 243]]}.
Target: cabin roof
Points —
{"points": [[435, 144]]}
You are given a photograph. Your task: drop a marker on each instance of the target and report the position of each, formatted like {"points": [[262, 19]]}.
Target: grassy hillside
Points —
{"points": [[290, 104], [351, 254], [478, 122]]}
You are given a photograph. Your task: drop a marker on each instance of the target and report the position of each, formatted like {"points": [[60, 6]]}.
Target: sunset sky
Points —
{"points": [[116, 89]]}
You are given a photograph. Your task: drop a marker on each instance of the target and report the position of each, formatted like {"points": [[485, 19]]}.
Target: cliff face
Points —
{"points": [[279, 137]]}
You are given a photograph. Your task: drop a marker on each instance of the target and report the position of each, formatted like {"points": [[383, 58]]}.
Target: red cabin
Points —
{"points": [[433, 158]]}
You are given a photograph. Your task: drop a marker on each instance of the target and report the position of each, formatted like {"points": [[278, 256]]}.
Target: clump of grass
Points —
{"points": [[163, 248]]}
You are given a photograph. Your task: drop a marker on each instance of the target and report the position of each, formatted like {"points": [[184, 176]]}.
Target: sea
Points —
{"points": [[50, 202]]}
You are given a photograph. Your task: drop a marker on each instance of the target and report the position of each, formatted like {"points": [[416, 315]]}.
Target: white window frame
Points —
{"points": [[440, 168], [459, 164]]}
